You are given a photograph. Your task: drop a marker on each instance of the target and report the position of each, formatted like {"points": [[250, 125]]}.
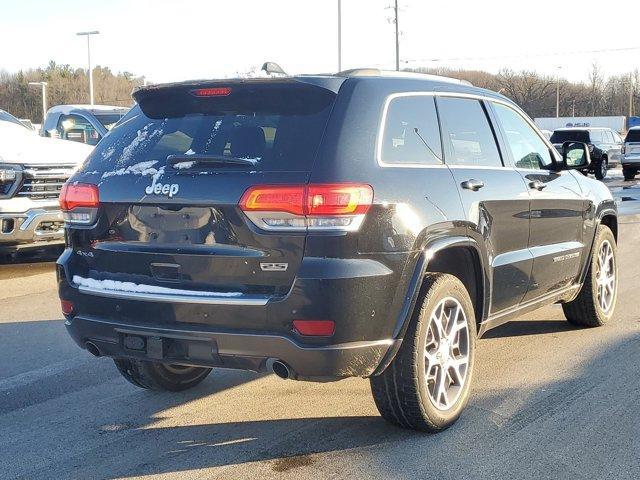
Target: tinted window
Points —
{"points": [[633, 136], [468, 132], [77, 129], [108, 120], [411, 132], [527, 148], [279, 132], [561, 136]]}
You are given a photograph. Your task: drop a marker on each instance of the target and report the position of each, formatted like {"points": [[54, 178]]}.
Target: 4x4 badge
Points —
{"points": [[168, 189]]}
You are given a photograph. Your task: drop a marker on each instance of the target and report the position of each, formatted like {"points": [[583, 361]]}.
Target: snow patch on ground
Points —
{"points": [[131, 287]]}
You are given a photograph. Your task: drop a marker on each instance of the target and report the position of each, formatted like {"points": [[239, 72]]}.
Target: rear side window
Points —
{"points": [[411, 132], [468, 132], [633, 136], [276, 130]]}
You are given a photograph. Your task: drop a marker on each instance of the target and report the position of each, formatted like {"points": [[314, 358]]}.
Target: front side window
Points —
{"points": [[468, 133], [411, 132], [77, 129], [527, 148]]}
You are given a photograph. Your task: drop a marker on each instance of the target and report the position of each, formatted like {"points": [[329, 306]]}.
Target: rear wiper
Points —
{"points": [[222, 160]]}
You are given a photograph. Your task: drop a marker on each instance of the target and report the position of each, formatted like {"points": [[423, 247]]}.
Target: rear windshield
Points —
{"points": [[561, 136], [633, 136], [275, 130], [108, 120]]}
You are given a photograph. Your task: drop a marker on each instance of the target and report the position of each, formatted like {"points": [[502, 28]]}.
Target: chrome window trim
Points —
{"points": [[434, 94]]}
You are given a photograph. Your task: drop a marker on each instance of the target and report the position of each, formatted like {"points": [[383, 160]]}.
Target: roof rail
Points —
{"points": [[376, 72]]}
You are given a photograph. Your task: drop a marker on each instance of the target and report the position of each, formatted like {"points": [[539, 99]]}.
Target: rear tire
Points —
{"points": [[161, 377], [427, 384], [595, 304], [601, 168], [629, 174]]}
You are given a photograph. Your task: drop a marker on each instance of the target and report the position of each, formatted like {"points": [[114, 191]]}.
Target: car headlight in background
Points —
{"points": [[10, 178]]}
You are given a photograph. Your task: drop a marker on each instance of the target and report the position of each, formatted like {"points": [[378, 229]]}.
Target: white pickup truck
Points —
{"points": [[32, 171]]}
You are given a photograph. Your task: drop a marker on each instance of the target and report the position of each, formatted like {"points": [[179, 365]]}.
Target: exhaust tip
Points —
{"points": [[279, 368], [92, 349]]}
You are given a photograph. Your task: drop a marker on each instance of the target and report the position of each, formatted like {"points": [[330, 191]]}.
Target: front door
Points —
{"points": [[557, 205], [495, 197]]}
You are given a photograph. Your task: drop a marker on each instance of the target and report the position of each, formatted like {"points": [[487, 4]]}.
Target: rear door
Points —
{"points": [[170, 178], [495, 198], [557, 205]]}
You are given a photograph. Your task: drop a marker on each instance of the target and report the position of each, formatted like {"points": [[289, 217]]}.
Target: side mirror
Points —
{"points": [[575, 155]]}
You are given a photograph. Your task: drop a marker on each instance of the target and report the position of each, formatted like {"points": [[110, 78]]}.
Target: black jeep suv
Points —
{"points": [[321, 227]]}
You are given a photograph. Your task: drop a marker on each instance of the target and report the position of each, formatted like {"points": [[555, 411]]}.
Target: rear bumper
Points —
{"points": [[633, 161], [191, 345], [34, 228]]}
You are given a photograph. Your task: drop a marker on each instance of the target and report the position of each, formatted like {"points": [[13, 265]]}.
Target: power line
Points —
{"points": [[498, 57]]}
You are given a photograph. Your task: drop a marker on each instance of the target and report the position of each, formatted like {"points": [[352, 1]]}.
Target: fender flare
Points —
{"points": [[429, 251]]}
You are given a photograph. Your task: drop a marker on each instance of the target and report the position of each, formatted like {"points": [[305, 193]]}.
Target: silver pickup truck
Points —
{"points": [[32, 172]]}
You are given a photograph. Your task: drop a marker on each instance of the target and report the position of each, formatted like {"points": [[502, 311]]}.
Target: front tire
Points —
{"points": [[601, 169], [427, 384], [159, 376], [595, 304]]}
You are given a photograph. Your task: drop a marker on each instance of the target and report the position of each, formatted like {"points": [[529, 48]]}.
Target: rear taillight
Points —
{"points": [[340, 206], [79, 203], [623, 149]]}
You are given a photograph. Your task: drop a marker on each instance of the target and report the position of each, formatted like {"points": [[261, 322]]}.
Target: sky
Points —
{"points": [[194, 39]]}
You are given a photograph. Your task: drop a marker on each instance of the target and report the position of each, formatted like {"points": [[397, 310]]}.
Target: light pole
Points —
{"points": [[88, 35], [339, 35], [44, 98], [395, 8]]}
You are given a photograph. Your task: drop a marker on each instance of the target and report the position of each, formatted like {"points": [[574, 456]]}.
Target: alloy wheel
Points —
{"points": [[606, 277], [446, 353]]}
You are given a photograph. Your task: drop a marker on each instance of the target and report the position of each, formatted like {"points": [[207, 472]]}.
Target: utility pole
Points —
{"points": [[395, 8], [558, 93], [631, 95], [339, 35], [43, 85], [88, 35]]}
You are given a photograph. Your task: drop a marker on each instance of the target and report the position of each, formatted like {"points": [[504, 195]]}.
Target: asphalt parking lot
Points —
{"points": [[549, 401]]}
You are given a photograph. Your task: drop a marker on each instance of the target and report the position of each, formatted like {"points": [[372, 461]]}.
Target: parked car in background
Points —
{"points": [[82, 123], [32, 172], [547, 134], [631, 154], [605, 146], [367, 224]]}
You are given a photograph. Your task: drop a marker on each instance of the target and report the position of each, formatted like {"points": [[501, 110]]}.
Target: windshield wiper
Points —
{"points": [[221, 160]]}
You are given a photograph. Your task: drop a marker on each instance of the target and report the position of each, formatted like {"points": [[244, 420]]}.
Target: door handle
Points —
{"points": [[538, 185], [472, 184]]}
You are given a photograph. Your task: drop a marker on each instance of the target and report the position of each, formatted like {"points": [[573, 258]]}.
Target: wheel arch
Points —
{"points": [[452, 255]]}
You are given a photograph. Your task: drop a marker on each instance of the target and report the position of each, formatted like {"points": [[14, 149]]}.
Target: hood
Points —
{"points": [[18, 145]]}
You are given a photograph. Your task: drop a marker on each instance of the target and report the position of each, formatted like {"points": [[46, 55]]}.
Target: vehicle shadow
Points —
{"points": [[39, 255], [530, 327], [549, 432]]}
